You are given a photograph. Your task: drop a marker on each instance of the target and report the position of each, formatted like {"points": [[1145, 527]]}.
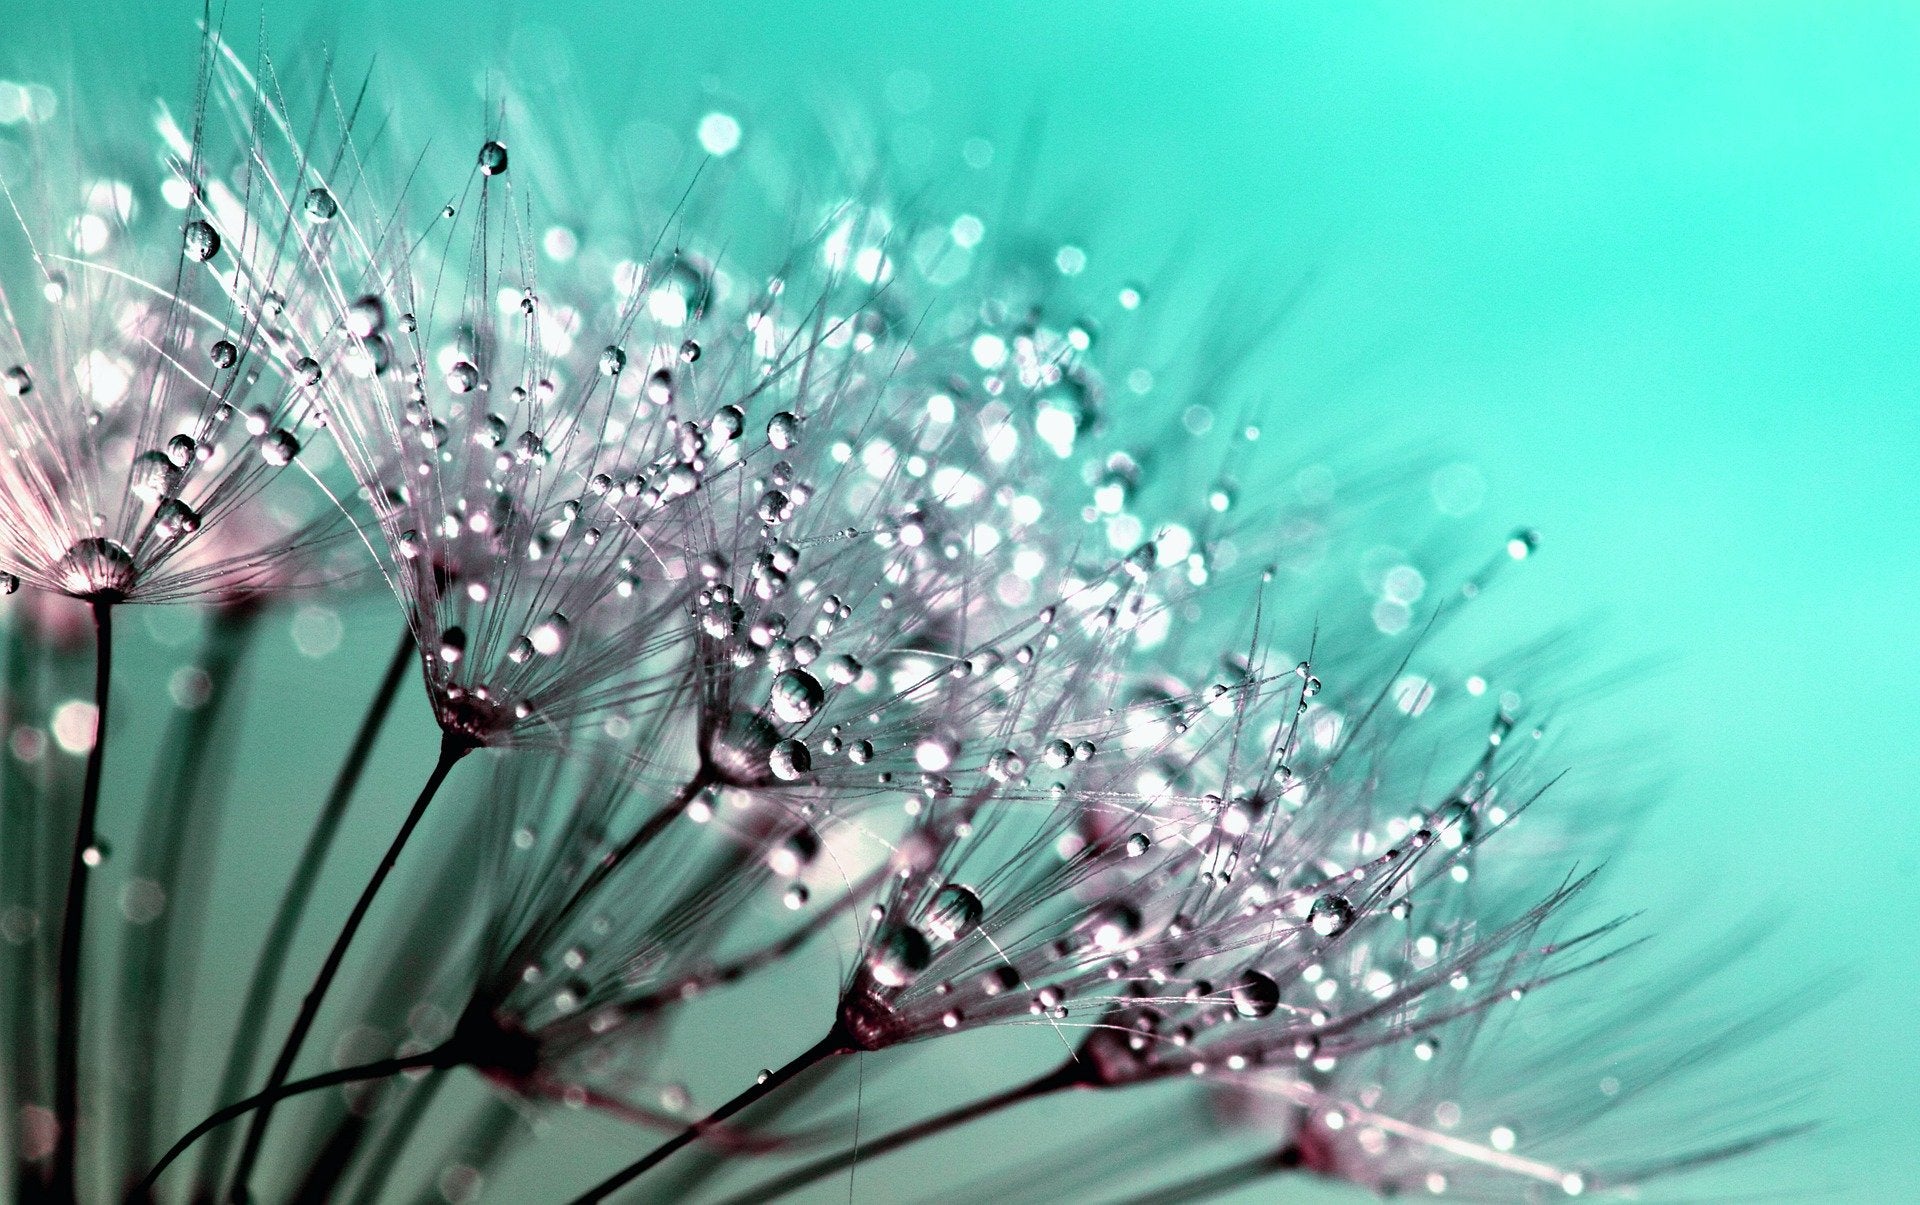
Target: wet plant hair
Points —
{"points": [[834, 627]]}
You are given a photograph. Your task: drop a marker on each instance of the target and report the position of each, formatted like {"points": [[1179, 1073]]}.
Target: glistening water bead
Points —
{"points": [[202, 241]]}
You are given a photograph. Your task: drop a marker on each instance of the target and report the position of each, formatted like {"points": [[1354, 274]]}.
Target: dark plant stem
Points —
{"points": [[21, 969], [1215, 1183], [486, 1140], [452, 749], [63, 1179], [178, 817], [835, 1043], [1069, 1074], [377, 1175], [251, 1021], [378, 1069]]}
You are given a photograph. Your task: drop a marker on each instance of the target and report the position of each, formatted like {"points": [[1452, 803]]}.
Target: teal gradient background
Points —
{"points": [[1654, 268]]}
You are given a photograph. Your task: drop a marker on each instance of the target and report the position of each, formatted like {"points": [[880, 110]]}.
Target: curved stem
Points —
{"points": [[377, 1174], [378, 1069], [182, 808], [257, 1005], [1068, 1075], [835, 1043], [452, 749], [66, 1050], [1215, 1183]]}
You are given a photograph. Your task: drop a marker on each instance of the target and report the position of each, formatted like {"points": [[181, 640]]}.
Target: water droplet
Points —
{"points": [[689, 351], [278, 447], [175, 520], [1006, 766], [789, 760], [453, 645], [1523, 543], [795, 854], [223, 353], [1138, 844], [860, 752], [95, 567], [1457, 824], [1113, 924], [763, 1076], [797, 694], [155, 476], [306, 372], [612, 360], [1255, 995], [901, 953], [1058, 754], [795, 898], [462, 377], [366, 317], [202, 241], [1330, 915], [9, 583], [493, 159], [783, 431], [955, 912], [320, 205], [549, 636], [18, 382]]}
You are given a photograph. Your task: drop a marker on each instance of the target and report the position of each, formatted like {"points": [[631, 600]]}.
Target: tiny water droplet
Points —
{"points": [[202, 241], [320, 205]]}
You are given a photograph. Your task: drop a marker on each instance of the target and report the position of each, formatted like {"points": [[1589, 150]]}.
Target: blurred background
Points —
{"points": [[1644, 275]]}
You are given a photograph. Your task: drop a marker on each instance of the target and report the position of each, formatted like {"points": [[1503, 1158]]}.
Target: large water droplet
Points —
{"points": [[1006, 766], [1113, 924], [493, 159], [223, 353], [1330, 915], [1255, 995], [783, 430], [155, 476], [175, 520], [1058, 755], [202, 241], [320, 205], [789, 760], [901, 953], [954, 912], [549, 636], [462, 377], [797, 694], [18, 382], [95, 568]]}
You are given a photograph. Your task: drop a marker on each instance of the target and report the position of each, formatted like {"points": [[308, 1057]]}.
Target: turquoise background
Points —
{"points": [[1653, 267]]}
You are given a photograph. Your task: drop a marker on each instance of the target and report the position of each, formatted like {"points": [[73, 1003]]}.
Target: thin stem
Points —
{"points": [[835, 1043], [63, 1182], [251, 1021], [1214, 1183], [1069, 1074], [181, 811], [378, 1069], [452, 749], [401, 1127]]}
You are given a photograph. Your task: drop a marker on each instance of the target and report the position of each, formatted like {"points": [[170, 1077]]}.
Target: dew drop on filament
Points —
{"points": [[1330, 915], [954, 913]]}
